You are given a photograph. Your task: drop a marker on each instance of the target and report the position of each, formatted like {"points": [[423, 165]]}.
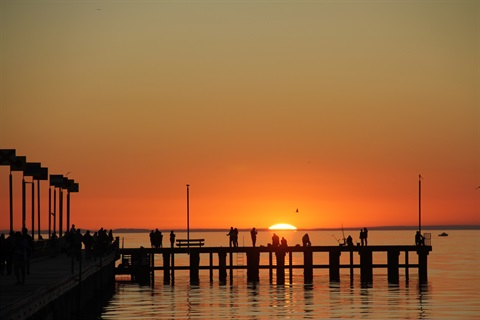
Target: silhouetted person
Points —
{"points": [[419, 239], [101, 243], [235, 237], [365, 236], [362, 237], [88, 242], [349, 240], [253, 235], [151, 239], [231, 235], [306, 240], [110, 237], [275, 240], [157, 239], [172, 239], [283, 242], [77, 244], [19, 257]]}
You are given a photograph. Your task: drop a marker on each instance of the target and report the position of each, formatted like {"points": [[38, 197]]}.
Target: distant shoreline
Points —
{"points": [[386, 228]]}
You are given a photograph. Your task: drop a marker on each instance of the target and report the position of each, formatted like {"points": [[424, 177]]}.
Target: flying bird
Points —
{"points": [[297, 208], [477, 188]]}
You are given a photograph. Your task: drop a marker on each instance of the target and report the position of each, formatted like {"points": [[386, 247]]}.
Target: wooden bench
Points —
{"points": [[190, 242]]}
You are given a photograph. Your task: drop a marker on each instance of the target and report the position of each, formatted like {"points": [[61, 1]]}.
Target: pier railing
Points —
{"points": [[139, 263]]}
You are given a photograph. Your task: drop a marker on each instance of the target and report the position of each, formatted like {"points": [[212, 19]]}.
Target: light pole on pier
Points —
{"points": [[188, 215], [420, 203]]}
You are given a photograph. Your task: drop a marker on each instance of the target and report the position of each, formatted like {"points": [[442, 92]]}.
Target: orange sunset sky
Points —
{"points": [[333, 108]]}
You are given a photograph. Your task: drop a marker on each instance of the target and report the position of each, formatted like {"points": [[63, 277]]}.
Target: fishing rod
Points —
{"points": [[338, 240]]}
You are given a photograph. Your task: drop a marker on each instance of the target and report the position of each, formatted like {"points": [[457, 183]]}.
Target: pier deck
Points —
{"points": [[50, 278]]}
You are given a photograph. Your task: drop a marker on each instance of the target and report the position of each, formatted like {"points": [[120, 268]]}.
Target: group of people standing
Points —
{"points": [[17, 249], [363, 238], [233, 237], [276, 241], [15, 253], [156, 239], [95, 245]]}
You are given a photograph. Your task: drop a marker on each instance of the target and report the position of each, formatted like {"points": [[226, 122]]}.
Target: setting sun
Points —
{"points": [[282, 226]]}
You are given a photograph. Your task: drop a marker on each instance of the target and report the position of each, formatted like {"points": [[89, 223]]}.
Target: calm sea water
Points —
{"points": [[452, 291]]}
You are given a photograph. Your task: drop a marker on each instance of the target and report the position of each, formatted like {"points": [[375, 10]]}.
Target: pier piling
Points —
{"points": [[280, 255], [253, 262], [166, 267], [308, 265], [366, 267], [334, 264], [194, 270], [392, 260], [222, 267], [422, 264]]}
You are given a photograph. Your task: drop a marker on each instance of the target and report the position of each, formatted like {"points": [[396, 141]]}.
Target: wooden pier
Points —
{"points": [[59, 288], [140, 263]]}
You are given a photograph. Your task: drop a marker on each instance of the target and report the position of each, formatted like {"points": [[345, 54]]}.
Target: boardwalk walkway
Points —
{"points": [[49, 278]]}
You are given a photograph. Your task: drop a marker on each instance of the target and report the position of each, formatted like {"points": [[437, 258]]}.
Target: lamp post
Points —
{"points": [[56, 181], [42, 174], [188, 215], [71, 186], [18, 165], [24, 204], [420, 203], [34, 170]]}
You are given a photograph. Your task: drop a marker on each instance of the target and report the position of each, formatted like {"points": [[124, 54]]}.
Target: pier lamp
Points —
{"points": [[188, 215], [56, 181], [18, 164], [420, 203], [42, 174], [32, 169], [71, 186]]}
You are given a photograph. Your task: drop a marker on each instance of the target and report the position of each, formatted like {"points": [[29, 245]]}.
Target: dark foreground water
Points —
{"points": [[452, 291]]}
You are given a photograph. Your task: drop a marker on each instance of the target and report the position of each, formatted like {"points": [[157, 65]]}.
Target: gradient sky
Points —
{"points": [[333, 108]]}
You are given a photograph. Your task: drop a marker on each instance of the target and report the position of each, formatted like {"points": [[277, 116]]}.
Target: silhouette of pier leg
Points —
{"points": [[194, 270], [406, 266], [280, 255], [366, 266], [307, 265], [173, 268], [253, 261], [290, 269], [211, 266], [231, 267], [152, 269], [166, 267], [422, 264], [222, 267], [392, 260], [351, 265], [334, 265], [270, 264]]}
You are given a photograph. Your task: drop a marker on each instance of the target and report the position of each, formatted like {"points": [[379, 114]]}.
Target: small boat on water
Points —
{"points": [[443, 234]]}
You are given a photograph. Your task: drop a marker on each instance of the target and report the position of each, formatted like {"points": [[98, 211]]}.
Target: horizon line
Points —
{"points": [[399, 227]]}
